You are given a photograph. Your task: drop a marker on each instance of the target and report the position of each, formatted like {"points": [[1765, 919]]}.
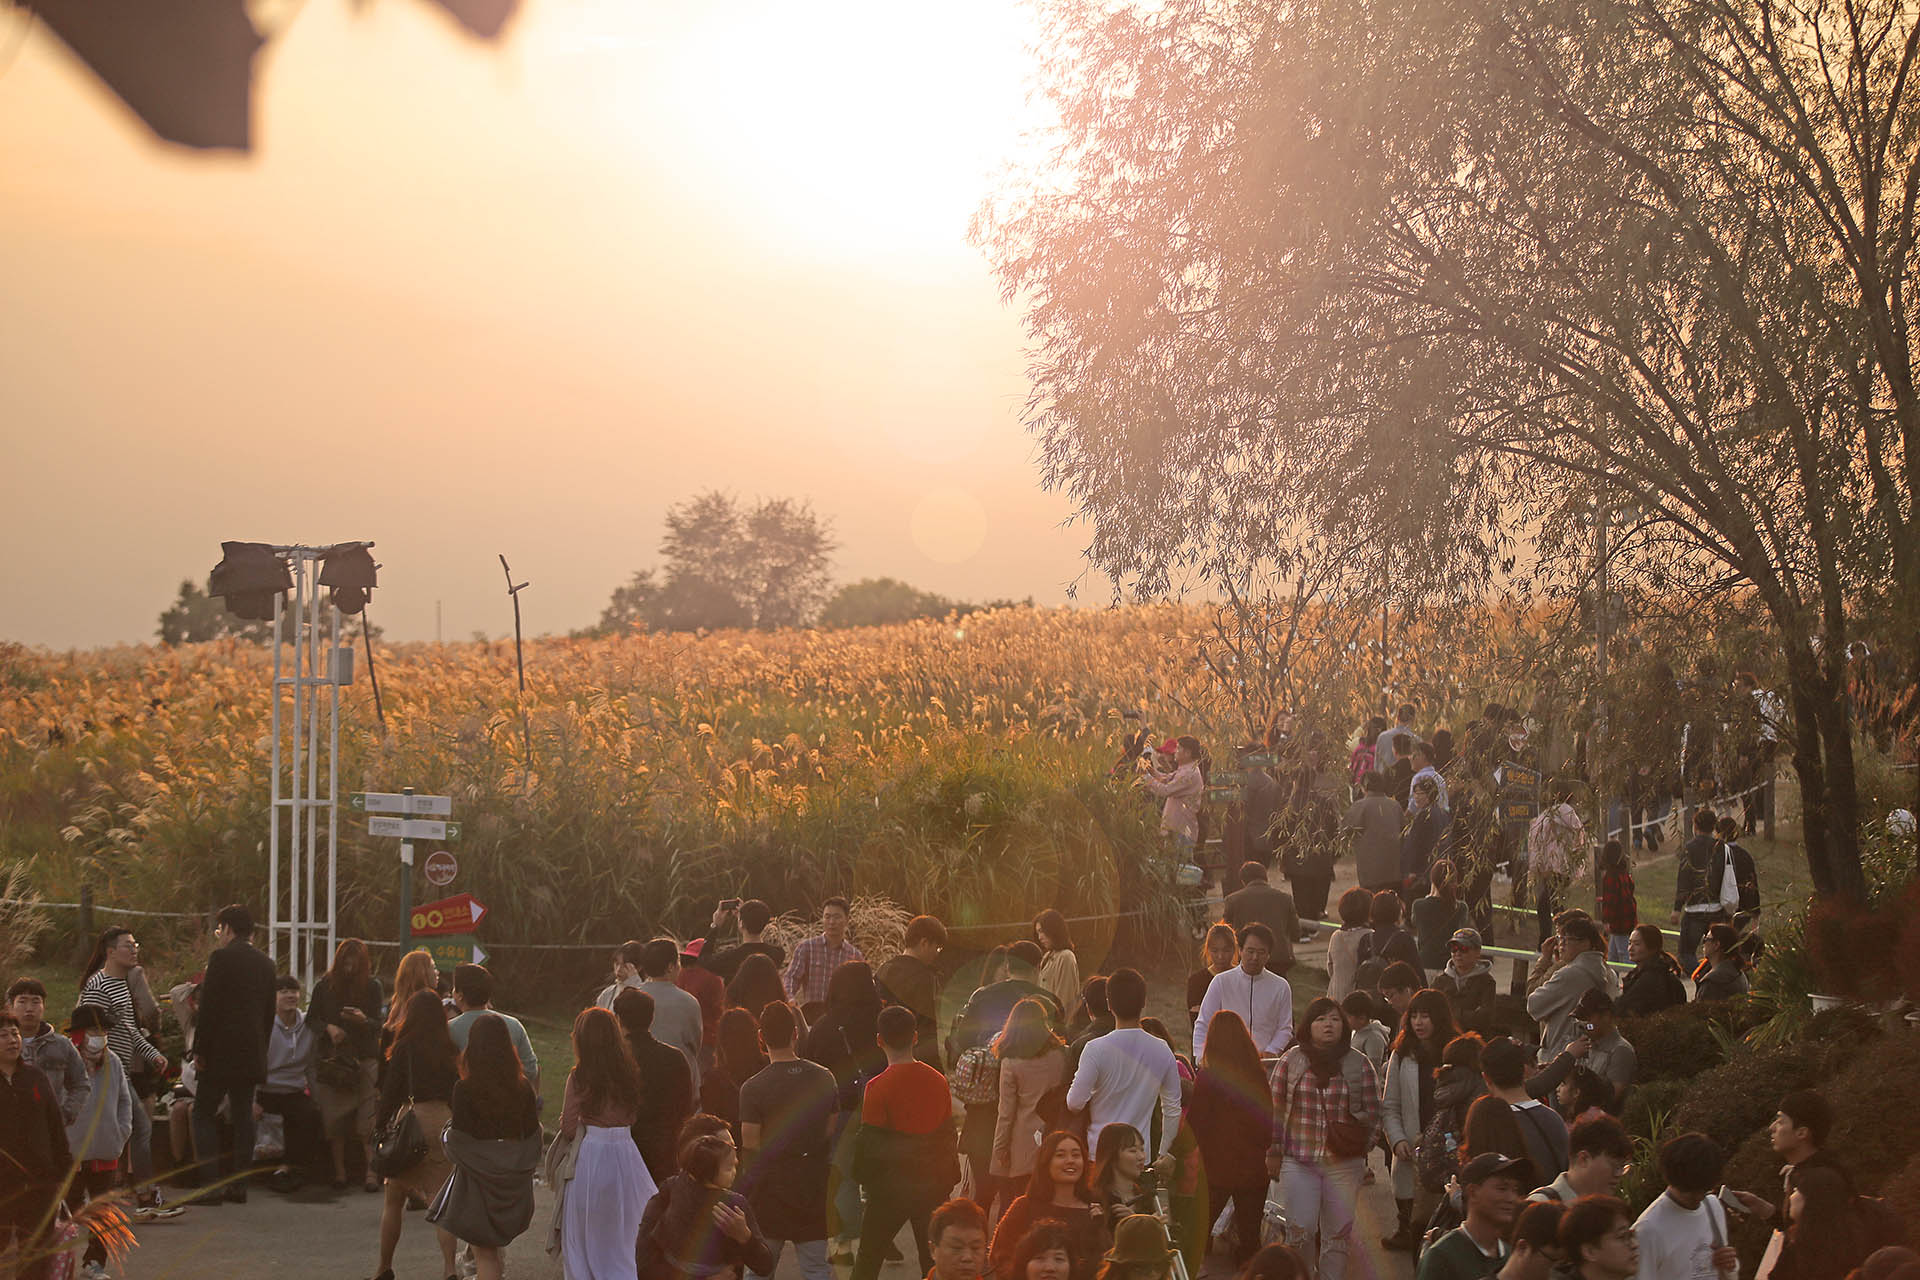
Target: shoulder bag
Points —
{"points": [[400, 1144]]}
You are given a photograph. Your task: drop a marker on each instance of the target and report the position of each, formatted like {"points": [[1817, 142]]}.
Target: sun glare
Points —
{"points": [[855, 127]]}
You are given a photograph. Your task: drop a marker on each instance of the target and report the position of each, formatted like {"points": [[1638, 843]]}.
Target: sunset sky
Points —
{"points": [[465, 298]]}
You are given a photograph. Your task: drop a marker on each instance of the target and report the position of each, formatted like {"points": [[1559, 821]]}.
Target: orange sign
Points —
{"points": [[458, 914]]}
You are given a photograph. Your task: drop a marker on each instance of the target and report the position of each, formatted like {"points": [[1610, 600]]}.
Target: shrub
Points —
{"points": [[1734, 1099], [1683, 1041], [1649, 1102]]}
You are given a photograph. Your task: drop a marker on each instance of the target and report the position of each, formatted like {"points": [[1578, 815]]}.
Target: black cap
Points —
{"points": [[1489, 1164]]}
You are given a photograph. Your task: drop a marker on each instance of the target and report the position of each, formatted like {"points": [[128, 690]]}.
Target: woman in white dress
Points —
{"points": [[600, 1217]]}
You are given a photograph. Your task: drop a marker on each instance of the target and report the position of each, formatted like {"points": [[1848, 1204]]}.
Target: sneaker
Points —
{"points": [[94, 1271]]}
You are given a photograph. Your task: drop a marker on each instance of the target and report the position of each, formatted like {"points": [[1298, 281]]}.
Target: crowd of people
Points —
{"points": [[727, 1101]]}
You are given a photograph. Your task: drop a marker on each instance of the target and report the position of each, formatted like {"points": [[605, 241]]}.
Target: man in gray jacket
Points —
{"points": [[1580, 953], [676, 1015], [44, 1048]]}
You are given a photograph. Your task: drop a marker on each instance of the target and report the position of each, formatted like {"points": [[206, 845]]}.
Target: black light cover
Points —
{"points": [[248, 577], [351, 573]]}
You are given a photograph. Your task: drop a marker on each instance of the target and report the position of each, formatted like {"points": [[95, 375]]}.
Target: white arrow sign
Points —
{"points": [[393, 802], [413, 828]]}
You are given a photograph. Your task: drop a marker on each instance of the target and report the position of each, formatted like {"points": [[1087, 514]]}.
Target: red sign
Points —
{"points": [[458, 914], [440, 868]]}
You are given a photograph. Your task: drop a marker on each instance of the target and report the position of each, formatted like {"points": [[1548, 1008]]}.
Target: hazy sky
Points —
{"points": [[466, 298]]}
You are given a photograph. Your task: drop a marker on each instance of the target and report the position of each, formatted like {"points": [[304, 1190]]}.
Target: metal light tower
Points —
{"points": [[301, 910]]}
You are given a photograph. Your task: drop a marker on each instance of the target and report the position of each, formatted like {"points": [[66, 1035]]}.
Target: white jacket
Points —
{"points": [[1400, 1100]]}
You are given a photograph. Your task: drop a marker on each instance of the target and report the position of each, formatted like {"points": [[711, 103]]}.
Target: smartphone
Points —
{"points": [[1728, 1203], [730, 904]]}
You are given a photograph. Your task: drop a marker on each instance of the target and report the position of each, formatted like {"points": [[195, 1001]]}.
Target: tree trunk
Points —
{"points": [[1843, 796], [1804, 688]]}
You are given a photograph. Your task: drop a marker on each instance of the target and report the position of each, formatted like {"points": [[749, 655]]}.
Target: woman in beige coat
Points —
{"points": [[1059, 967], [1033, 1061]]}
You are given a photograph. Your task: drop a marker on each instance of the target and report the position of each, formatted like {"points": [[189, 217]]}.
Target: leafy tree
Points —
{"points": [[876, 602], [1443, 273], [195, 616], [730, 565]]}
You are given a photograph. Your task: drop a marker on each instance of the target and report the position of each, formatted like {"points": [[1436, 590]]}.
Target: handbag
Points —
{"points": [[338, 1068], [976, 1077], [400, 1144], [1347, 1139]]}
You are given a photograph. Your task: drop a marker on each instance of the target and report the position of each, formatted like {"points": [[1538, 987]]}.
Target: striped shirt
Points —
{"points": [[124, 1036]]}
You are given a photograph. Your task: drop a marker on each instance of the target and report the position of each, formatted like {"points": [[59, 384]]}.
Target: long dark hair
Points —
{"points": [[756, 985], [491, 1069], [1040, 1181], [737, 1045], [1231, 1055], [108, 939], [851, 988], [424, 1027], [603, 1067], [1441, 876], [351, 974], [1052, 925], [1324, 1063], [1435, 1005], [1028, 1033], [1114, 1139]]}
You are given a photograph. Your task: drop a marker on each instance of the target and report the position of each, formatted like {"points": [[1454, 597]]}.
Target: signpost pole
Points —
{"points": [[406, 885]]}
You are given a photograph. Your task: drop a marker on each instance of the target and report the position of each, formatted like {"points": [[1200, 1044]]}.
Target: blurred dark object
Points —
{"points": [[185, 67], [248, 577], [484, 18], [350, 571]]}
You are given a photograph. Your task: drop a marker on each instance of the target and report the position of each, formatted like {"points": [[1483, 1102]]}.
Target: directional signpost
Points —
{"points": [[407, 828], [458, 914]]}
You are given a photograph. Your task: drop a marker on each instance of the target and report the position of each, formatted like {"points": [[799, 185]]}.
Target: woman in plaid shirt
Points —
{"points": [[1326, 1110], [1619, 909]]}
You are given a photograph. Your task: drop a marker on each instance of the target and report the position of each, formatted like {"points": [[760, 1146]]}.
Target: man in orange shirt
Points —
{"points": [[904, 1154]]}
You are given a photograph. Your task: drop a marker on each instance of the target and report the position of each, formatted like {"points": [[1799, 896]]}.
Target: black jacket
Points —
{"points": [[33, 1146], [666, 1100], [236, 1015], [678, 1237], [1649, 987], [988, 1009], [1261, 903], [1703, 871]]}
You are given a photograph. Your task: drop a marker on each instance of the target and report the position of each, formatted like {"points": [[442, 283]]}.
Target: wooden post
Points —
{"points": [[85, 926]]}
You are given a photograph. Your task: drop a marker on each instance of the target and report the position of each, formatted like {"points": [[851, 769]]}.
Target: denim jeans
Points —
{"points": [[1322, 1197]]}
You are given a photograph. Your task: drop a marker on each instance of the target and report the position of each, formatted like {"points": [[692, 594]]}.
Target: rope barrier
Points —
{"points": [[119, 911]]}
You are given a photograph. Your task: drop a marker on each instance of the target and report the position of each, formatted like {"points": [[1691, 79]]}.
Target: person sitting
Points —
{"points": [[1724, 975], [1654, 983], [287, 1092]]}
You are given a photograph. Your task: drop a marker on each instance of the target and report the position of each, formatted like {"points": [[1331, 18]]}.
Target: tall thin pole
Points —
{"points": [[314, 663], [1600, 605], [333, 787], [520, 659], [297, 781], [273, 805]]}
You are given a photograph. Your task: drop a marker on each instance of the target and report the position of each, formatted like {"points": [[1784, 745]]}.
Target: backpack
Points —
{"points": [[1436, 1157], [976, 1077]]}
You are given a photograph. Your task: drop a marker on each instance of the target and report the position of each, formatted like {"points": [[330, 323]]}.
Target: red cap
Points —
{"points": [[693, 949]]}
